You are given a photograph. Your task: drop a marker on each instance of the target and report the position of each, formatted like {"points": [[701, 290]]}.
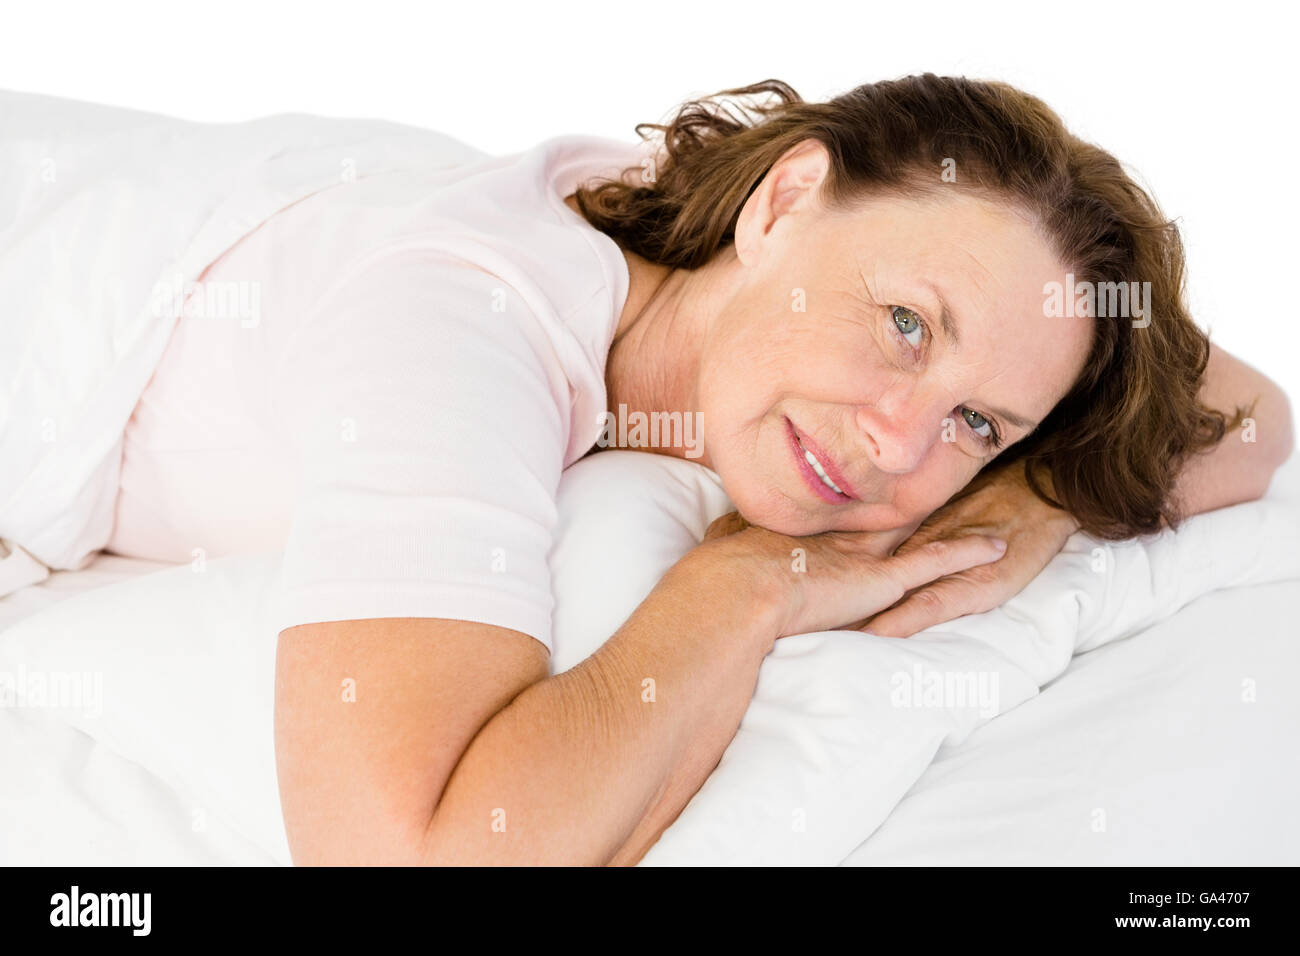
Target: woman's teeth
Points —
{"points": [[821, 472]]}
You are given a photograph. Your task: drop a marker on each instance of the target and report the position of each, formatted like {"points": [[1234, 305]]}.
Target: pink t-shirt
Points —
{"points": [[386, 380]]}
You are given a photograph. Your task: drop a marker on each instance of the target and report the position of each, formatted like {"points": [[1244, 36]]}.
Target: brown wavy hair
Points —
{"points": [[1111, 449]]}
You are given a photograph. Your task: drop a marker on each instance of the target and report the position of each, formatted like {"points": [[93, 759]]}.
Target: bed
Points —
{"points": [[1162, 734]]}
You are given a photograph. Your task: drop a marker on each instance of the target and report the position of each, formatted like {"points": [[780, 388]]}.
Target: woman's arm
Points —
{"points": [[458, 749], [455, 748], [611, 750], [1241, 466]]}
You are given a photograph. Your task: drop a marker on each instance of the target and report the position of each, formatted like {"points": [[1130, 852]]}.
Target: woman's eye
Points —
{"points": [[980, 425], [909, 324]]}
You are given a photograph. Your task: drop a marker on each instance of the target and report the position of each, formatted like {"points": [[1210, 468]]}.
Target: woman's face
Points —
{"points": [[833, 342]]}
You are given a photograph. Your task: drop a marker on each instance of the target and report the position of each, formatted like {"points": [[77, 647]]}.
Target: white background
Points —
{"points": [[1197, 99]]}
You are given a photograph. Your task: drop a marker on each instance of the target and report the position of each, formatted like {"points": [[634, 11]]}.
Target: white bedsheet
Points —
{"points": [[70, 800], [1175, 747]]}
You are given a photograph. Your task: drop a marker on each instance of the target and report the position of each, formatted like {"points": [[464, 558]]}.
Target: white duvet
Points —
{"points": [[173, 761], [101, 210]]}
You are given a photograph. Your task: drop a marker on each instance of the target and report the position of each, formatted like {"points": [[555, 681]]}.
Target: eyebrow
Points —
{"points": [[1016, 420], [949, 326], [946, 321]]}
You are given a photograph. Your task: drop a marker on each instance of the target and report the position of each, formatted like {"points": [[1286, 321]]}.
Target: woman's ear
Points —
{"points": [[791, 186]]}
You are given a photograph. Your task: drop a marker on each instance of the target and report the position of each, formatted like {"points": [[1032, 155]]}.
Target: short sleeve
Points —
{"points": [[430, 424]]}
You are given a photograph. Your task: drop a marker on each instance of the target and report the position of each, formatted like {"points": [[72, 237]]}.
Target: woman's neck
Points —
{"points": [[654, 361]]}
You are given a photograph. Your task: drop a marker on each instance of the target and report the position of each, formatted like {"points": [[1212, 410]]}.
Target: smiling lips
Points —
{"points": [[817, 470]]}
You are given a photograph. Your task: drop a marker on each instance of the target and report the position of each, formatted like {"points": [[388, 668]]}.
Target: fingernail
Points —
{"points": [[999, 544]]}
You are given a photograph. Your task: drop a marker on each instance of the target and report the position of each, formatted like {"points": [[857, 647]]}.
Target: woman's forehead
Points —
{"points": [[944, 228], [981, 268]]}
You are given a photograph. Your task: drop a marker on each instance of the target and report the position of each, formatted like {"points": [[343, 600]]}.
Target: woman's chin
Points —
{"points": [[780, 511], [779, 515], [785, 518]]}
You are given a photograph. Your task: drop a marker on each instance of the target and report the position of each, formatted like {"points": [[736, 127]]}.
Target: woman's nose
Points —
{"points": [[899, 437]]}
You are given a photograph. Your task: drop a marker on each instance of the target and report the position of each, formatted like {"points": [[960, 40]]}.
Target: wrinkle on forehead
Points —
{"points": [[981, 269], [972, 260]]}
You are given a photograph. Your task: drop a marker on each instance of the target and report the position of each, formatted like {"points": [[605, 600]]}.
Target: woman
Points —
{"points": [[851, 299]]}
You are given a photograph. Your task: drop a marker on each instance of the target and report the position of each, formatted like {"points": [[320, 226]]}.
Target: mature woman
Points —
{"points": [[896, 318]]}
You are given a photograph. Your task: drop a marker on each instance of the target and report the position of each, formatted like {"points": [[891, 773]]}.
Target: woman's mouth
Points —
{"points": [[818, 471]]}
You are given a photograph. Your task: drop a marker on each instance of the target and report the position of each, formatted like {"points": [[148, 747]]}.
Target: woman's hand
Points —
{"points": [[837, 579], [1001, 504]]}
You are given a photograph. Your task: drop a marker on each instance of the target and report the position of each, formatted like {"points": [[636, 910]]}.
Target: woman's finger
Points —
{"points": [[944, 600], [941, 558]]}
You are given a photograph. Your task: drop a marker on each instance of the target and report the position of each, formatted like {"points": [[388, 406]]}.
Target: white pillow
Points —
{"points": [[626, 517], [839, 728]]}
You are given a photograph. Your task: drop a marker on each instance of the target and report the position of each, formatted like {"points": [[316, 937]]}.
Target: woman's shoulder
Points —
{"points": [[503, 215]]}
